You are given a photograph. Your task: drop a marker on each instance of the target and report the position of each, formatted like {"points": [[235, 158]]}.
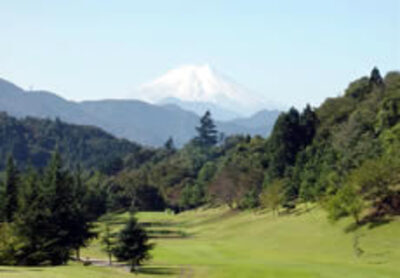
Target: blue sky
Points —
{"points": [[292, 52]]}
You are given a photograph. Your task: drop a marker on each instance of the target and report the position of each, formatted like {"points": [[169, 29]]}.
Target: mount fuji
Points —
{"points": [[201, 88]]}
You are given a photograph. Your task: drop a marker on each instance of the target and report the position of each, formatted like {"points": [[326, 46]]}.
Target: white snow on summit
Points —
{"points": [[202, 84]]}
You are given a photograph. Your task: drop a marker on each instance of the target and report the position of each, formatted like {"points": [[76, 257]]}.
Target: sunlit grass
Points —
{"points": [[221, 243]]}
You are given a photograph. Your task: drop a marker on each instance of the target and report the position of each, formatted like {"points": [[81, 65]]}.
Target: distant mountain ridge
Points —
{"points": [[200, 108], [135, 120], [260, 123]]}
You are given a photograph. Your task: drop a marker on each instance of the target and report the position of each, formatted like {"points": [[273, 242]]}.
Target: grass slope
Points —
{"points": [[221, 243]]}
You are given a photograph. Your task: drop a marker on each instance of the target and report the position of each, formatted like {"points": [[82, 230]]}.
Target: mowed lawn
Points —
{"points": [[222, 243]]}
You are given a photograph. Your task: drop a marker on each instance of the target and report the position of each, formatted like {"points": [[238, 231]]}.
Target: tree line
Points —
{"points": [[45, 216]]}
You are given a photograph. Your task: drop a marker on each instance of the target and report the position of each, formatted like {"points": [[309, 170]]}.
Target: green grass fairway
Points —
{"points": [[222, 243], [70, 271]]}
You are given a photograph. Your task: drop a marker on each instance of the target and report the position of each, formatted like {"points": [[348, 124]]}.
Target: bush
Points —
{"points": [[10, 243]]}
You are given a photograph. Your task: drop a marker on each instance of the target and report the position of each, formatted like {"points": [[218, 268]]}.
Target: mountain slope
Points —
{"points": [[138, 121], [42, 104], [199, 108], [260, 123], [143, 122]]}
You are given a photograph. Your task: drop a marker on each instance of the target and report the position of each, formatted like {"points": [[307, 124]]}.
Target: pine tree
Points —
{"points": [[46, 221], [132, 244], [33, 223], [68, 221], [54, 223], [11, 192], [207, 133], [285, 142], [376, 77], [169, 145], [28, 191], [81, 226], [308, 125]]}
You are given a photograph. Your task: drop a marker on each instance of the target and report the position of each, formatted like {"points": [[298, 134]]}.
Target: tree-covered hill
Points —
{"points": [[32, 141], [343, 154]]}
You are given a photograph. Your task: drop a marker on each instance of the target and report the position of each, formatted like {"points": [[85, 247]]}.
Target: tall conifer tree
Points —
{"points": [[207, 132], [12, 181], [132, 244]]}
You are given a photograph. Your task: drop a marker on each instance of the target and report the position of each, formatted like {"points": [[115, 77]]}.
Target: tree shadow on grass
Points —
{"points": [[296, 211], [161, 224], [304, 210], [217, 218], [167, 234], [369, 222], [379, 222], [153, 270]]}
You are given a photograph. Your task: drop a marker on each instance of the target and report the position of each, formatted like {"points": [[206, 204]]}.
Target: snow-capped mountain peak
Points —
{"points": [[200, 84]]}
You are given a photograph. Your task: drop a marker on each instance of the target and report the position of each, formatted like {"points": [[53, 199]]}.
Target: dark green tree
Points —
{"points": [[376, 77], [112, 166], [30, 189], [284, 143], [54, 222], [33, 223], [132, 244], [308, 125], [207, 135], [52, 216], [170, 145], [81, 225], [12, 191]]}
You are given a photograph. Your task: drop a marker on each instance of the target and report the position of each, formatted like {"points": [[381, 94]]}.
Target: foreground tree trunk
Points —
{"points": [[133, 266], [78, 254]]}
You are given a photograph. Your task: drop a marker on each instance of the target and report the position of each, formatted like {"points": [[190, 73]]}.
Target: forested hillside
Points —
{"points": [[32, 141], [344, 154]]}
